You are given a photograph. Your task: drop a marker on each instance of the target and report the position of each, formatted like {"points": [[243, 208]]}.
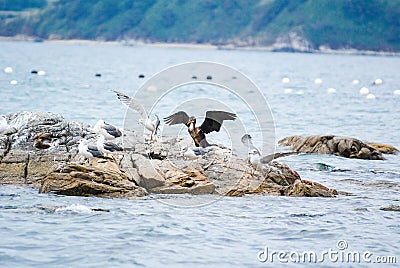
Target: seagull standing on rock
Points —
{"points": [[193, 153], [212, 123], [255, 157], [135, 105], [254, 153], [106, 146], [3, 123], [89, 151], [108, 131]]}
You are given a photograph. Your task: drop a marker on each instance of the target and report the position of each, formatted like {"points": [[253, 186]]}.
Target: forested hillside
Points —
{"points": [[359, 24]]}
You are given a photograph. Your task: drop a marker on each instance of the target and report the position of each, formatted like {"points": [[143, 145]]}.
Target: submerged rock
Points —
{"points": [[329, 144], [158, 167], [391, 208]]}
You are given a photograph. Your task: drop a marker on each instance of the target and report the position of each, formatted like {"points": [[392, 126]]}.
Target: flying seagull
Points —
{"points": [[255, 157], [135, 105], [106, 146], [108, 131], [89, 151], [212, 123]]}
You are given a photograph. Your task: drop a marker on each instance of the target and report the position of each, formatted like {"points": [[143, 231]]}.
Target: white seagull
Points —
{"points": [[135, 105], [255, 157], [254, 153], [193, 152], [108, 131], [89, 151], [3, 123], [106, 146]]}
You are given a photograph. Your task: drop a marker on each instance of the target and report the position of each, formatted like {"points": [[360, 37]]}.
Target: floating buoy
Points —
{"points": [[364, 91], [396, 92], [34, 72], [8, 70], [378, 81], [141, 76], [288, 91], [194, 77], [41, 73], [331, 90], [318, 81], [356, 82], [285, 80], [209, 77], [371, 96], [13, 82], [97, 75]]}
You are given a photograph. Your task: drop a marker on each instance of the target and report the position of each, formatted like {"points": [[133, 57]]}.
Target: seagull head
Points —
{"points": [[82, 142], [246, 139]]}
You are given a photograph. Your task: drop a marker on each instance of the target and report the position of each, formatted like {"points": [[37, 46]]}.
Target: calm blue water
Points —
{"points": [[58, 231]]}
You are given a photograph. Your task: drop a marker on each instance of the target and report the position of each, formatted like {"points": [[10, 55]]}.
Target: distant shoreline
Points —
{"points": [[204, 46]]}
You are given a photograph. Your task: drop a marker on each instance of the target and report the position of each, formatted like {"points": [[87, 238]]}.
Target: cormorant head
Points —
{"points": [[192, 119]]}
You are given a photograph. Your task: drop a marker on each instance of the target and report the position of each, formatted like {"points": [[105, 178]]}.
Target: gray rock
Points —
{"points": [[391, 208], [328, 144]]}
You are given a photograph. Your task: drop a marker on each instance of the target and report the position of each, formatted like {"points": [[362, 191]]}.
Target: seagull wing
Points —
{"points": [[132, 104], [268, 158], [156, 124], [110, 146], [214, 120], [113, 131], [177, 118]]}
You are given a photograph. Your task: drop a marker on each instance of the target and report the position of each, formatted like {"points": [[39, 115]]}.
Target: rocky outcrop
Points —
{"points": [[391, 208], [340, 146], [41, 151], [21, 162], [383, 148], [102, 180]]}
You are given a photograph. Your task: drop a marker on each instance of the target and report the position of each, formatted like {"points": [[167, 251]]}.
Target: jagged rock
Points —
{"points": [[149, 176], [5, 144], [99, 180], [40, 165], [23, 163], [384, 148], [13, 167], [157, 167], [328, 144], [310, 189]]}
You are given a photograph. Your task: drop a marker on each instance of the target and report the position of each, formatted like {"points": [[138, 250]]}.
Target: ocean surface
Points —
{"points": [[45, 230]]}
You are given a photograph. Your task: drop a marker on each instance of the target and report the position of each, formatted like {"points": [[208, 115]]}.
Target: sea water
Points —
{"points": [[45, 230]]}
